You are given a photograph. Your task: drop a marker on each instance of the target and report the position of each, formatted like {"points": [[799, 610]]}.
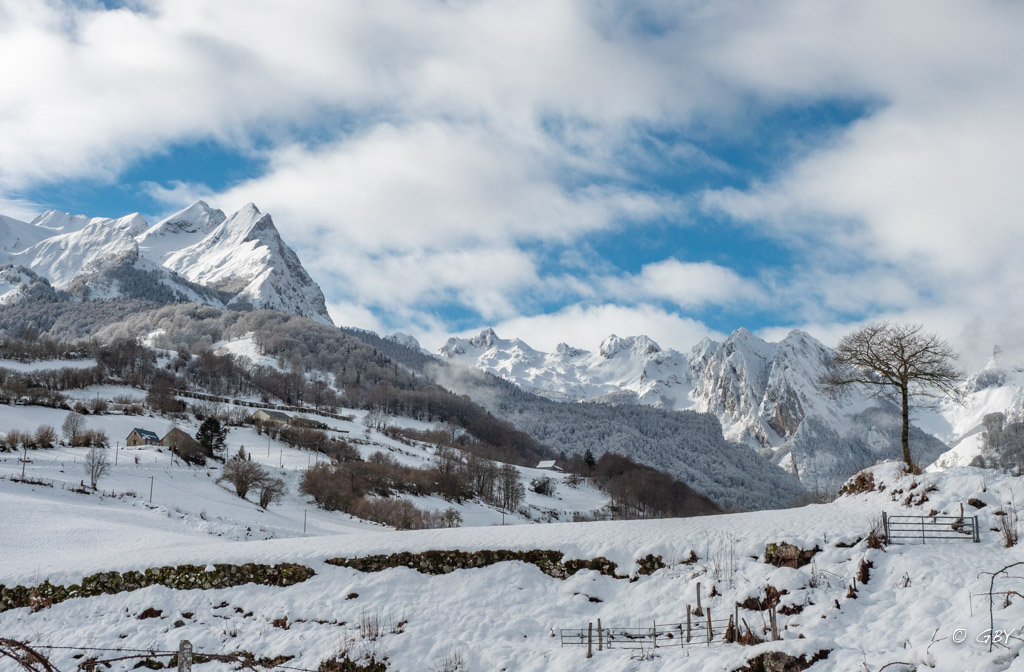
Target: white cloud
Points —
{"points": [[687, 284], [432, 185], [480, 278], [348, 314]]}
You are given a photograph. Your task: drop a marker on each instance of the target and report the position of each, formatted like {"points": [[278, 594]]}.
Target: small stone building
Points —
{"points": [[184, 446], [142, 437], [180, 441]]}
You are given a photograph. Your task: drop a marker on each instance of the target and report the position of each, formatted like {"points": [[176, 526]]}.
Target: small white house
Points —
{"points": [[548, 465]]}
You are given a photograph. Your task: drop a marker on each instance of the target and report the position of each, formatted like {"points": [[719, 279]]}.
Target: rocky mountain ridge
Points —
{"points": [[197, 254]]}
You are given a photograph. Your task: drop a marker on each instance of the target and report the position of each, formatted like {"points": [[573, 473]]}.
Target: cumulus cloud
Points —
{"points": [[686, 284]]}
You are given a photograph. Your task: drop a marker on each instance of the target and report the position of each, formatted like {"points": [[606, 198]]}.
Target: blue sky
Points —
{"points": [[559, 170]]}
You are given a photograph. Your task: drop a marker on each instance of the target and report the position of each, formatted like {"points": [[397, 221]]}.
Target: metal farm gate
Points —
{"points": [[929, 529]]}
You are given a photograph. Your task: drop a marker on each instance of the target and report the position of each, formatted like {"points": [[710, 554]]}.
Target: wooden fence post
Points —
{"points": [[977, 533], [600, 636], [773, 615], [654, 633], [699, 612], [885, 527], [185, 656], [687, 624], [710, 634], [590, 640]]}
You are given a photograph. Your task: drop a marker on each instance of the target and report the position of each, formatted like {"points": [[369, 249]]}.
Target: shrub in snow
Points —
{"points": [[543, 486], [271, 491], [46, 436], [243, 475]]}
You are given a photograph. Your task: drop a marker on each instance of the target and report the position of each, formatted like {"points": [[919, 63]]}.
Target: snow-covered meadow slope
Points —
{"points": [[926, 606]]}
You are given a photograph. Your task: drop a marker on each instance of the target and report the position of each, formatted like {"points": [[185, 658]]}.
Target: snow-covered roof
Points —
{"points": [[276, 415], [546, 464]]}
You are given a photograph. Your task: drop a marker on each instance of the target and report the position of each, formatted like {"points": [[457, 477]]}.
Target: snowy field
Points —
{"points": [[914, 606]]}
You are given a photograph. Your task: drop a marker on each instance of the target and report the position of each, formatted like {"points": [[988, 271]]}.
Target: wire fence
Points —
{"points": [[657, 635]]}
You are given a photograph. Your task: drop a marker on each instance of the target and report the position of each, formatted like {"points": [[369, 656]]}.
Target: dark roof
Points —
{"points": [[146, 434]]}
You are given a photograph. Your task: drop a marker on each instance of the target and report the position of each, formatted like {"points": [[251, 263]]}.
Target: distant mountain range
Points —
{"points": [[764, 394], [197, 255]]}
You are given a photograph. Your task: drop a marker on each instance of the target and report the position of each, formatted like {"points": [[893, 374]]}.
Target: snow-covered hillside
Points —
{"points": [[194, 496], [997, 387], [912, 607], [196, 255]]}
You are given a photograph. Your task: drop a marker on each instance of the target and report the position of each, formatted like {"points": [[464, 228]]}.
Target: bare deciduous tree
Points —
{"points": [[73, 426], [97, 464], [510, 490], [896, 361]]}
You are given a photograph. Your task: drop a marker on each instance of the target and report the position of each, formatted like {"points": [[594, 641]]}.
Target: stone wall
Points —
{"points": [[182, 577], [552, 563]]}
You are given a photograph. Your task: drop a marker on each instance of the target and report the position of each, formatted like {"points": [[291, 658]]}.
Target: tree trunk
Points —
{"points": [[905, 436]]}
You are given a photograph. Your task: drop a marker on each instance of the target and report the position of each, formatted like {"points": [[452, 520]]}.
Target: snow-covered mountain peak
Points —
{"points": [[640, 346], [408, 340], [64, 257], [485, 339], [196, 218], [994, 373], [566, 351], [56, 222], [60, 222], [135, 224], [244, 256]]}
